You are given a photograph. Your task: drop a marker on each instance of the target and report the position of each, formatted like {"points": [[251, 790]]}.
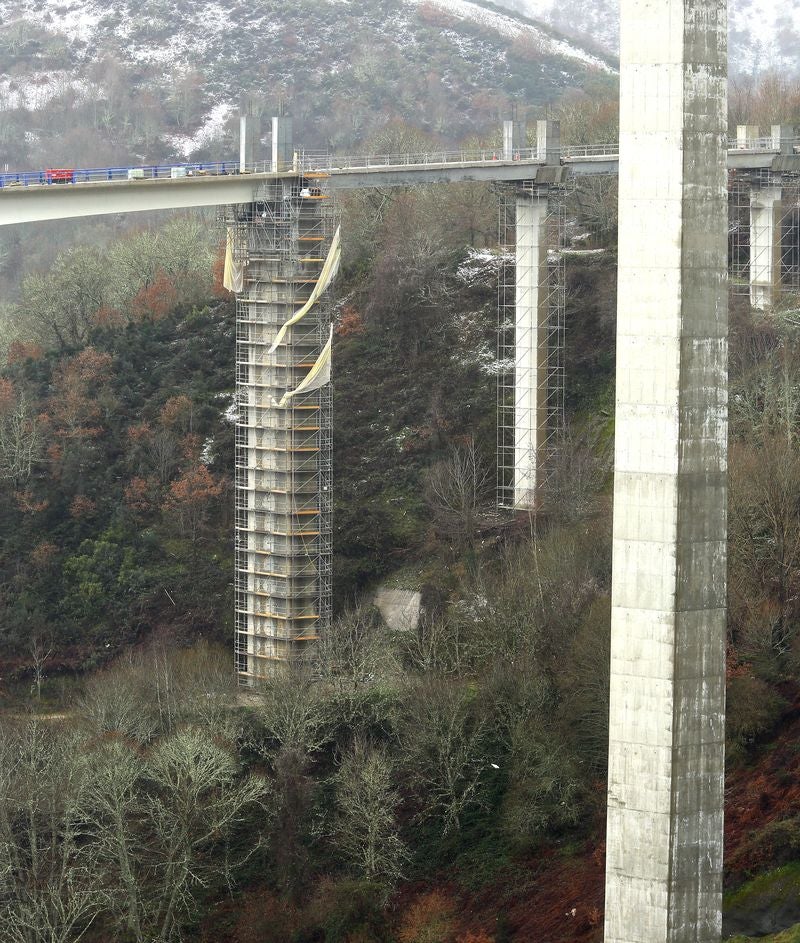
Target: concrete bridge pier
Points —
{"points": [[514, 137], [783, 138], [249, 135], [283, 253], [531, 343], [667, 699], [548, 141], [282, 144], [766, 215], [747, 135]]}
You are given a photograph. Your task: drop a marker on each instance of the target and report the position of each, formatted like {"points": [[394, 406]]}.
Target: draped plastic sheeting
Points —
{"points": [[326, 276], [233, 273], [318, 375]]}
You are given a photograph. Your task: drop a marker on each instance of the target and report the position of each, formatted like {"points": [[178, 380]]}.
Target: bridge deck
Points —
{"points": [[26, 198]]}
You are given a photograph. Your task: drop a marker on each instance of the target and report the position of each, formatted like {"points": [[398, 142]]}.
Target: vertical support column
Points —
{"points": [[766, 216], [249, 136], [282, 144], [531, 344], [783, 138], [548, 141], [666, 736], [520, 132], [283, 445], [508, 140], [747, 136]]}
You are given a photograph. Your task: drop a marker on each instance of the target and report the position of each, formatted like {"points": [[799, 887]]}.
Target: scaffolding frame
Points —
{"points": [[763, 243], [521, 273], [283, 469]]}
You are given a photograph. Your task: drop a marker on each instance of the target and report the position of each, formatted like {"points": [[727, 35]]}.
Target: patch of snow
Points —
{"points": [[479, 265], [76, 19], [495, 367], [205, 453], [36, 89], [231, 414], [210, 130]]}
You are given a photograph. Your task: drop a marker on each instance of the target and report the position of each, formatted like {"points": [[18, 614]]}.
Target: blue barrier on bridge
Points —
{"points": [[64, 177]]}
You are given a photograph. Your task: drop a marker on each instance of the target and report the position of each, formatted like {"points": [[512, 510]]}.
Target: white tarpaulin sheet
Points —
{"points": [[318, 375], [326, 276], [233, 273]]}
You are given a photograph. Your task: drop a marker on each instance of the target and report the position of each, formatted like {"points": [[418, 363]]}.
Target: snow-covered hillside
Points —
{"points": [[151, 79], [179, 31], [515, 27], [763, 33]]}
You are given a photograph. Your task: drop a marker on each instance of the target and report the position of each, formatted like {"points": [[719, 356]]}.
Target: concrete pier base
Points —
{"points": [[666, 739], [765, 246]]}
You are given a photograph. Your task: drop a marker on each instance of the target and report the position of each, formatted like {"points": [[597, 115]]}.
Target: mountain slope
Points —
{"points": [[161, 79], [763, 33]]}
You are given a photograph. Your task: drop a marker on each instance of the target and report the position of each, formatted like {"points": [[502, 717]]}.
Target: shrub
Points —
{"points": [[753, 708], [430, 919]]}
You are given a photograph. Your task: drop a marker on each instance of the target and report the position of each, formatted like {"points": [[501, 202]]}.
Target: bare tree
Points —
{"points": [[443, 738], [597, 204], [765, 398], [41, 650], [199, 799], [365, 828], [291, 726], [355, 649], [48, 871], [456, 488], [117, 797], [22, 438], [115, 702], [437, 646], [580, 468]]}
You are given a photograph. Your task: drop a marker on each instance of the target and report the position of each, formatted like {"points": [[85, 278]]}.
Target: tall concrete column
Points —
{"points": [[530, 345], [249, 135], [548, 141], [783, 137], [282, 143], [666, 737], [747, 135], [765, 246], [508, 140]]}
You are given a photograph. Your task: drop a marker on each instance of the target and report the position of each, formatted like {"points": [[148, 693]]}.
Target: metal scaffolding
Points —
{"points": [[531, 300], [764, 248], [283, 450]]}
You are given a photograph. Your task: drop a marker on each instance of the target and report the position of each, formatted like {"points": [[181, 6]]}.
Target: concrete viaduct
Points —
{"points": [[666, 751]]}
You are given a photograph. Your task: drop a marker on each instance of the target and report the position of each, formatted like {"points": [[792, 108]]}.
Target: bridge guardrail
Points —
{"points": [[51, 178], [308, 161]]}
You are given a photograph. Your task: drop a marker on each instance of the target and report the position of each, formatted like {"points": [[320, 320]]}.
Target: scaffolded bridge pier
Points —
{"points": [[282, 254]]}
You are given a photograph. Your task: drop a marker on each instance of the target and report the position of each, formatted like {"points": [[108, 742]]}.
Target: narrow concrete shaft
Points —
{"points": [[765, 246], [666, 751], [530, 345]]}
